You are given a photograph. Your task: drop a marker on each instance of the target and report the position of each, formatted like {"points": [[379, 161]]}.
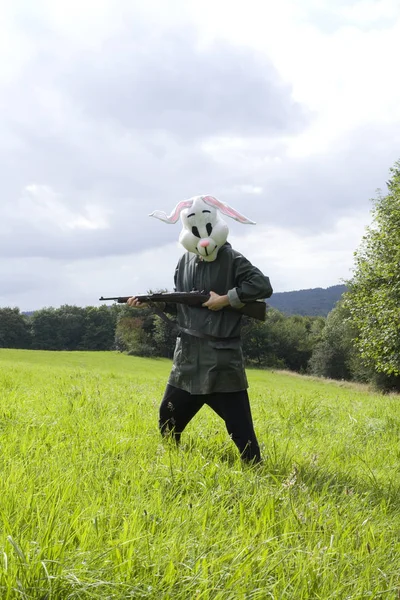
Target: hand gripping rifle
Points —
{"points": [[256, 310]]}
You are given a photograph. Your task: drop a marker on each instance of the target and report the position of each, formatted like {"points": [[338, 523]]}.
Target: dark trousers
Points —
{"points": [[179, 407]]}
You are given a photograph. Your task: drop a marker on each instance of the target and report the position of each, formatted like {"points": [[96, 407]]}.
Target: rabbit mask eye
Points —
{"points": [[196, 232], [209, 228]]}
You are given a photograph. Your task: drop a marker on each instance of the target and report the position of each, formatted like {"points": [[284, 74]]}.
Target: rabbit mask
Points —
{"points": [[204, 231]]}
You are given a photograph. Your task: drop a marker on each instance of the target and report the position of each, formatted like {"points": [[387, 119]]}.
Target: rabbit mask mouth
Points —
{"points": [[208, 253]]}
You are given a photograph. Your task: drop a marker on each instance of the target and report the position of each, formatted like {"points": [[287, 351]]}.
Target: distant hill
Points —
{"points": [[312, 302]]}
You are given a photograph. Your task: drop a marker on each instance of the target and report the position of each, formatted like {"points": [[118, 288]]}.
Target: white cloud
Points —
{"points": [[93, 164], [346, 77], [368, 12], [41, 206], [248, 188]]}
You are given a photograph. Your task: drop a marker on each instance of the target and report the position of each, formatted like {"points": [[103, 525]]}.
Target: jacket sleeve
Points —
{"points": [[250, 282]]}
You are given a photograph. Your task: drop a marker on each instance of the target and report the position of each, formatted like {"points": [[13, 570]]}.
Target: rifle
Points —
{"points": [[256, 310]]}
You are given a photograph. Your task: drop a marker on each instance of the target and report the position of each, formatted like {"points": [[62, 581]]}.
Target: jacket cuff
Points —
{"points": [[234, 299]]}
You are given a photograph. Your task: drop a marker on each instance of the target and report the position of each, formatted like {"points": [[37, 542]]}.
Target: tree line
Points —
{"points": [[359, 340], [281, 341], [64, 328]]}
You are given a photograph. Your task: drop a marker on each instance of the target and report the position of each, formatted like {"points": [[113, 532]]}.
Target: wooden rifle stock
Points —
{"points": [[256, 310]]}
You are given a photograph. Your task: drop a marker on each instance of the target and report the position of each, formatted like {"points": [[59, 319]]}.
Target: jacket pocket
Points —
{"points": [[228, 355]]}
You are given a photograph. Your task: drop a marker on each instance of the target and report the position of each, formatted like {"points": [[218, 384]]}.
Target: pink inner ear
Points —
{"points": [[174, 216], [227, 210]]}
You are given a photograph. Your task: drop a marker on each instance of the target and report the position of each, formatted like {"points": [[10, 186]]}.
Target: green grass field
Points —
{"points": [[94, 505]]}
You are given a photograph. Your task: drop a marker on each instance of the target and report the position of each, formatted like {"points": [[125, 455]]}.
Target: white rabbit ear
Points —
{"points": [[227, 210], [174, 216]]}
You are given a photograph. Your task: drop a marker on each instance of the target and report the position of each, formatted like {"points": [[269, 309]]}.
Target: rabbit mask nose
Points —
{"points": [[204, 243]]}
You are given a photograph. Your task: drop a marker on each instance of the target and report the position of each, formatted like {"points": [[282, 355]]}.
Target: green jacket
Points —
{"points": [[204, 366]]}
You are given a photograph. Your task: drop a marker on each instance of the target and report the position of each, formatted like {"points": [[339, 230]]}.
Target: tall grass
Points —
{"points": [[94, 505]]}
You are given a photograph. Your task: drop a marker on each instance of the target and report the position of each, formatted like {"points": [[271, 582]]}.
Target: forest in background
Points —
{"points": [[282, 341], [287, 339]]}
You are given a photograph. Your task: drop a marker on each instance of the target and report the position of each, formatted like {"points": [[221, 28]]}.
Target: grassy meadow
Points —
{"points": [[93, 504]]}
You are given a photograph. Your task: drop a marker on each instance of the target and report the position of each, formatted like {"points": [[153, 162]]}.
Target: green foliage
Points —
{"points": [[374, 291], [281, 341], [99, 328], [94, 506], [134, 331], [336, 355], [164, 338], [385, 383], [296, 339], [14, 329], [46, 329], [73, 328], [257, 341]]}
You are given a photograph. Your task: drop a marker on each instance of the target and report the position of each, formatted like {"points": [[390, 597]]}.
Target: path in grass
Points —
{"points": [[93, 505]]}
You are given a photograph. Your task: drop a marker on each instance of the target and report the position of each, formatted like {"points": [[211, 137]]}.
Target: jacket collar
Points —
{"points": [[223, 248]]}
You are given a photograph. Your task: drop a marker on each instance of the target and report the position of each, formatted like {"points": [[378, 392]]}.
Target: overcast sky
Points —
{"points": [[109, 109]]}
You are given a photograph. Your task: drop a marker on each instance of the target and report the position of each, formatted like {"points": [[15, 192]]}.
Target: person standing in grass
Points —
{"points": [[208, 365]]}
